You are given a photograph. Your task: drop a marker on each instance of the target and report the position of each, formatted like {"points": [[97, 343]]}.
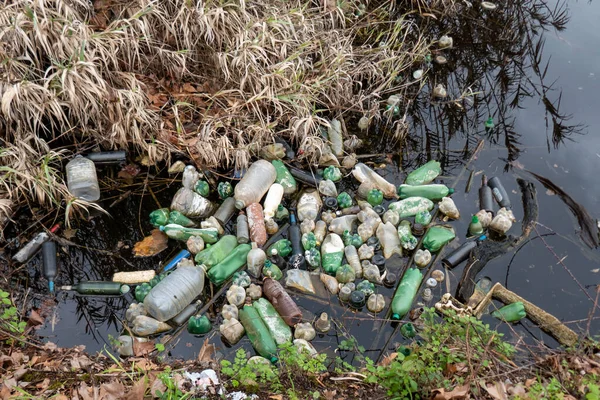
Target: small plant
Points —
{"points": [[250, 376], [172, 392], [10, 321]]}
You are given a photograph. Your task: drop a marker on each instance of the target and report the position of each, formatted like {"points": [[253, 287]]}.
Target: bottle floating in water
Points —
{"points": [[284, 177], [475, 227], [213, 255], [281, 300], [256, 223], [499, 192], [406, 292], [225, 211], [322, 324], [82, 180], [295, 236], [424, 174], [255, 183], [179, 232], [226, 268], [280, 331], [431, 192], [486, 197], [363, 174], [258, 333], [97, 288], [49, 263], [242, 230], [272, 200]]}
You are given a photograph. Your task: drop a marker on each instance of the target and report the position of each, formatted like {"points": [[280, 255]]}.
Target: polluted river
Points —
{"points": [[520, 108]]}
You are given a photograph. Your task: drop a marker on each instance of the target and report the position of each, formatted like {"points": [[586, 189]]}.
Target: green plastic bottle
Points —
{"points": [[258, 333], [199, 325], [280, 331], [179, 232], [511, 313], [177, 218], [431, 192], [98, 288], [226, 268], [309, 240], [424, 174], [475, 227], [489, 123], [436, 237], [272, 271], [408, 330], [283, 247], [141, 291], [159, 217], [313, 257], [411, 206], [282, 214], [225, 190], [332, 253], [407, 239], [423, 218], [352, 240], [344, 200], [284, 177], [202, 188], [332, 173], [375, 197], [405, 295], [216, 253]]}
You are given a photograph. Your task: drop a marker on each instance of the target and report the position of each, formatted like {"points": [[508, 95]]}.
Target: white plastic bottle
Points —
{"points": [[272, 201], [82, 180], [255, 183], [171, 295], [362, 173], [354, 261], [256, 259]]}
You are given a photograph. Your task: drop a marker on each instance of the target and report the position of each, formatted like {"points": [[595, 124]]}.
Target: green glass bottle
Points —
{"points": [[141, 291], [98, 288], [375, 197], [226, 268], [179, 232], [424, 174], [283, 247], [216, 253], [436, 237], [177, 218], [511, 313], [159, 217], [202, 188], [432, 192], [344, 200], [280, 331], [272, 271], [284, 177], [199, 325], [258, 333], [406, 292], [225, 190]]}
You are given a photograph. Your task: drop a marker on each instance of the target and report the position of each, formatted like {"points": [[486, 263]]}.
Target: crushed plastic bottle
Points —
{"points": [[195, 244], [332, 252], [309, 241], [309, 205], [305, 331], [422, 258], [307, 226], [432, 192], [279, 330], [284, 178], [191, 204], [448, 208], [125, 344], [371, 273], [273, 151], [300, 280], [254, 292], [271, 270], [345, 274], [202, 188], [255, 183], [327, 188], [226, 268], [334, 132], [376, 303], [388, 237], [423, 218], [341, 224], [424, 174], [436, 237], [502, 222], [229, 311], [411, 206], [332, 173], [134, 310], [159, 217], [225, 190], [258, 333], [485, 218], [172, 294], [511, 313], [256, 259], [322, 324], [282, 214], [406, 292], [407, 240], [190, 177], [241, 278], [283, 247], [146, 326], [362, 173], [217, 252], [330, 283], [392, 217], [232, 330], [178, 232]]}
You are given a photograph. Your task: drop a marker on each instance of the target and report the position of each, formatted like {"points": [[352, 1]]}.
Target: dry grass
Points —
{"points": [[111, 73]]}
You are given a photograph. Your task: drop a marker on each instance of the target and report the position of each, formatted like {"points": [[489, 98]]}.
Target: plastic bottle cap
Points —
{"points": [[274, 359], [450, 190], [482, 237], [162, 228], [292, 218], [239, 204], [395, 317], [125, 289], [51, 286]]}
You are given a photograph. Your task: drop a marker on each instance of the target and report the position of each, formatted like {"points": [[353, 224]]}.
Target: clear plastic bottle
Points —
{"points": [[190, 177], [256, 259], [341, 224], [309, 205], [82, 180], [242, 231], [145, 326], [191, 204], [322, 324], [255, 183], [171, 295], [320, 231], [335, 137], [362, 173], [304, 330], [232, 330], [225, 211], [388, 237], [272, 200], [353, 260]]}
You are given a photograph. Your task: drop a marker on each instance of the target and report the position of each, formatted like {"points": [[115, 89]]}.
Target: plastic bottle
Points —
{"points": [[279, 330], [448, 208], [295, 236], [375, 197], [499, 192], [345, 293], [272, 200], [365, 252], [345, 274], [229, 311], [232, 330], [431, 192], [341, 224], [422, 258], [309, 205], [271, 226], [352, 259], [423, 218], [362, 173], [408, 330], [199, 325], [406, 292], [49, 263], [357, 299], [351, 210], [284, 177], [307, 226], [255, 183], [332, 252], [258, 333], [256, 259], [125, 345], [407, 240], [179, 232], [283, 246], [172, 263], [185, 314], [320, 231], [97, 288], [254, 292], [379, 261], [82, 180], [322, 324], [271, 270], [190, 177], [376, 303], [308, 178], [459, 255], [475, 227], [344, 200], [332, 173], [159, 217], [236, 295], [226, 268], [313, 258], [304, 331], [388, 237], [330, 283], [225, 211], [424, 174], [511, 313], [171, 295], [411, 206], [281, 300], [330, 203], [309, 241], [436, 237], [242, 231], [334, 132], [191, 204], [486, 197], [282, 214], [145, 326], [327, 188], [256, 224], [107, 157]]}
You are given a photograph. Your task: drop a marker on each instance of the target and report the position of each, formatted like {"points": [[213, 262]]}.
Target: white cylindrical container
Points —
{"points": [[82, 180], [272, 201]]}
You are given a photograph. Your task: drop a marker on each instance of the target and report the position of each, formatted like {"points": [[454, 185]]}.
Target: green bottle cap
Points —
{"points": [[274, 359], [474, 220], [450, 190], [395, 317]]}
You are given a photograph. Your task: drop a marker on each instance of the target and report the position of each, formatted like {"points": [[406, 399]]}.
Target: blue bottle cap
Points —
{"points": [[51, 286], [482, 237]]}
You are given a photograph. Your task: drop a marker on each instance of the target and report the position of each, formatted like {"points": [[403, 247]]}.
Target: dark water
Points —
{"points": [[545, 119]]}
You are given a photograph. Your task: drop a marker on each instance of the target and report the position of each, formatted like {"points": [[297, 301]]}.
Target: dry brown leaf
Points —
{"points": [[43, 385], [189, 88], [329, 394], [35, 319], [497, 390], [206, 352], [530, 382], [111, 391], [157, 385], [142, 348], [85, 392], [137, 391], [69, 233], [387, 360], [151, 245], [80, 362], [459, 392], [276, 397], [60, 397], [5, 393]]}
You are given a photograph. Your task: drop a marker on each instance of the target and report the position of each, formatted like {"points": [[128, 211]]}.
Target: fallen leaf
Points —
{"points": [[206, 352], [189, 88], [5, 393], [142, 348], [530, 382], [111, 391], [329, 394], [276, 397], [35, 319], [137, 391], [43, 385], [151, 245], [80, 362], [85, 392], [459, 392], [387, 360], [60, 397], [497, 390], [157, 385], [69, 233], [18, 374]]}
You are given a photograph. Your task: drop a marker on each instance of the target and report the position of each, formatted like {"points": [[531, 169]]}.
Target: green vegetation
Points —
{"points": [[11, 324]]}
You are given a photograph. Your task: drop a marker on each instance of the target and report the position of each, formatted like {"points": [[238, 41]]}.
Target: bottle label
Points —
{"points": [[497, 194]]}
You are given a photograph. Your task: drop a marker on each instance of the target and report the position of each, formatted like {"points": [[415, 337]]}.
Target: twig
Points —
{"points": [[589, 321]]}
